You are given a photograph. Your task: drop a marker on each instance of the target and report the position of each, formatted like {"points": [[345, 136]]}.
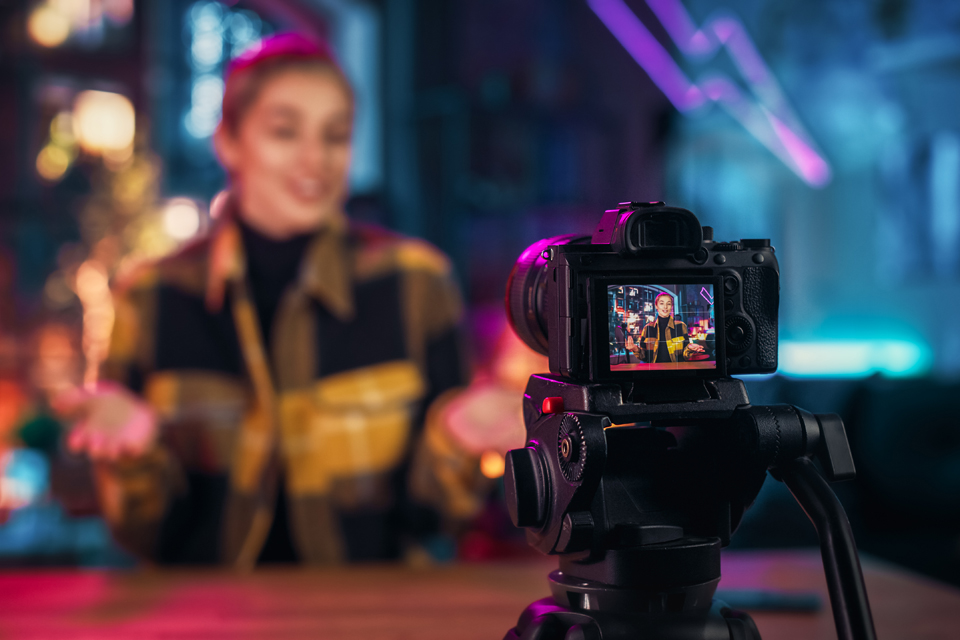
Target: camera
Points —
{"points": [[649, 294], [642, 452]]}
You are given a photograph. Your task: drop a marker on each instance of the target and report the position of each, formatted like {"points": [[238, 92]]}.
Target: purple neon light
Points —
{"points": [[649, 54], [770, 118], [814, 169], [706, 295]]}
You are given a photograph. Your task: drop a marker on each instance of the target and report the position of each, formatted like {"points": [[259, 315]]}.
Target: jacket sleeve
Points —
{"points": [[687, 350], [647, 344], [443, 475], [134, 492]]}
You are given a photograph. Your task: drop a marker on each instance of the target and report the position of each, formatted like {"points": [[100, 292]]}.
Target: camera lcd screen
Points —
{"points": [[657, 327]]}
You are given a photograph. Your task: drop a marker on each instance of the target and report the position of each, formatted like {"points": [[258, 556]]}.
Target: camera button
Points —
{"points": [[720, 258], [745, 361], [552, 405], [730, 285], [758, 258]]}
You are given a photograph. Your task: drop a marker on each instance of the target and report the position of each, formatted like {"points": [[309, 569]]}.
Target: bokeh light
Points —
{"points": [[61, 130], [244, 29], [492, 464], [181, 218], [119, 12], [205, 97], [48, 26], [56, 292], [216, 34], [56, 367], [52, 162], [12, 402], [81, 13], [104, 122]]}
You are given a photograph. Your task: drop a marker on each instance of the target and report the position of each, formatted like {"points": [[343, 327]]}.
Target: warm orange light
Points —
{"points": [[492, 464], [48, 27], [61, 130], [53, 162], [93, 288], [92, 281], [12, 403], [81, 13], [104, 122]]}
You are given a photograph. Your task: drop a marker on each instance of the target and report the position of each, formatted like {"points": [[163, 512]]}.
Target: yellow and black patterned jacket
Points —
{"points": [[363, 343], [678, 343]]}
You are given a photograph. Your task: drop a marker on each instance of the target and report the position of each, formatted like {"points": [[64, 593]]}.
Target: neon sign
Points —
{"points": [[767, 115]]}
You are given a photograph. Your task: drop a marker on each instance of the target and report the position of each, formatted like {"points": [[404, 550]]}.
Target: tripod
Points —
{"points": [[638, 514]]}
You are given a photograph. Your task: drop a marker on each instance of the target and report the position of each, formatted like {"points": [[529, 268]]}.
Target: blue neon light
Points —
{"points": [[854, 358]]}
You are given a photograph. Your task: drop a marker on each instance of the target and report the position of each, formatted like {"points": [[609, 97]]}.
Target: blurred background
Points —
{"points": [[484, 125]]}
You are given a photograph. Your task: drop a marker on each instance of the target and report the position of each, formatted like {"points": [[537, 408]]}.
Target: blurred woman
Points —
{"points": [[281, 384]]}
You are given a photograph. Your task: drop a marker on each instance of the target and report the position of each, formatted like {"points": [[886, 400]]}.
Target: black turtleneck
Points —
{"points": [[272, 265], [663, 353]]}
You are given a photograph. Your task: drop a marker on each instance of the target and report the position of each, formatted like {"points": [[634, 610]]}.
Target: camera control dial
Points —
{"points": [[571, 448], [739, 333]]}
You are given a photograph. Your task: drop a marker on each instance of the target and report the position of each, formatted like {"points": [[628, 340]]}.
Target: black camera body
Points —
{"points": [[598, 299]]}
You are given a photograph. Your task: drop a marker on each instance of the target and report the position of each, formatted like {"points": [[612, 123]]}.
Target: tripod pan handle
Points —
{"points": [[848, 594]]}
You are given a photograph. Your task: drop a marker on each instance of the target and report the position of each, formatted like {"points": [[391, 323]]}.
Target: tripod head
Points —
{"points": [[637, 488]]}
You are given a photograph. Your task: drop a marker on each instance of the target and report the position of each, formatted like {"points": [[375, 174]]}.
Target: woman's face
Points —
{"points": [[664, 306], [289, 156]]}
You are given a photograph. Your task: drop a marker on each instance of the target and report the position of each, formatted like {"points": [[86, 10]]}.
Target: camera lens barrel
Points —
{"points": [[527, 288]]}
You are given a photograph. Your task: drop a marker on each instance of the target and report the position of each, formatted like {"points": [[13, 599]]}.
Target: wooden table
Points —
{"points": [[460, 602]]}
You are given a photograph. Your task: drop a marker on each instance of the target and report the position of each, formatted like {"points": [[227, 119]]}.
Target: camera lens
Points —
{"points": [[526, 292]]}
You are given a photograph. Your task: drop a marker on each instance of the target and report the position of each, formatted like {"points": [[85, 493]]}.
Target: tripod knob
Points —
{"points": [[833, 450], [525, 488]]}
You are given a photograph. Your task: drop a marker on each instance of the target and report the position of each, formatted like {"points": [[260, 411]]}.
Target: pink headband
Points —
{"points": [[282, 45]]}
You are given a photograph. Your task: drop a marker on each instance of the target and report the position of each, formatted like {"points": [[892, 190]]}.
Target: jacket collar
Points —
{"points": [[656, 322], [325, 273]]}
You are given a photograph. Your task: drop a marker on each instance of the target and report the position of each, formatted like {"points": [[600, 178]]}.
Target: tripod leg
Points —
{"points": [[848, 595]]}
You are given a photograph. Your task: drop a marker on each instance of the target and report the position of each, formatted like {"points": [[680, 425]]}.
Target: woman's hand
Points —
{"points": [[486, 417], [110, 422]]}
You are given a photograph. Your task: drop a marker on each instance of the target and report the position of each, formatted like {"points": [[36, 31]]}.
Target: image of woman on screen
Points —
{"points": [[664, 339]]}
